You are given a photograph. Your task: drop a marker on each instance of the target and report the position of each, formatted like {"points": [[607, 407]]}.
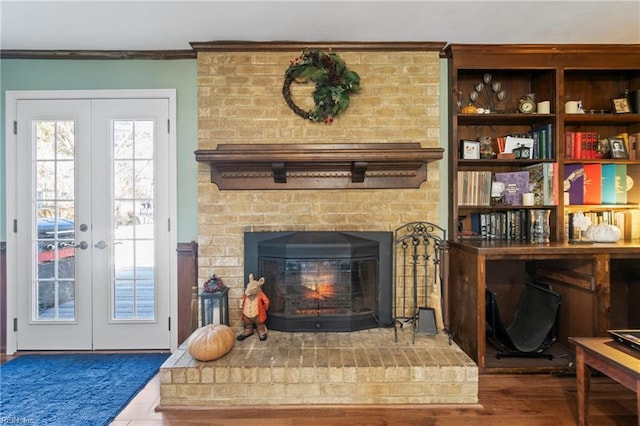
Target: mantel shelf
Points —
{"points": [[319, 166]]}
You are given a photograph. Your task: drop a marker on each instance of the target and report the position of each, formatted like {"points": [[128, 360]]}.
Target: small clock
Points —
{"points": [[527, 105], [522, 153]]}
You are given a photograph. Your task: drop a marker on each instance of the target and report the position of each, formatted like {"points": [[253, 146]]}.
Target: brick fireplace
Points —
{"points": [[336, 181], [240, 102]]}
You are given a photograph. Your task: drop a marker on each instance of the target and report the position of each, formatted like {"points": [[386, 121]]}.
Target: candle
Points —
{"points": [[528, 199], [544, 107]]}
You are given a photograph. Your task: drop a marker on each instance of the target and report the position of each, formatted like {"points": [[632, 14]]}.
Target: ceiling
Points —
{"points": [[171, 25]]}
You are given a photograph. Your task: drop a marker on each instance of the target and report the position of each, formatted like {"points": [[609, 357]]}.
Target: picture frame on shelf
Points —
{"points": [[618, 149], [470, 150], [620, 105], [602, 148]]}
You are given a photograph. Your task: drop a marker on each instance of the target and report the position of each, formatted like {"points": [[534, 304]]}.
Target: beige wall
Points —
{"points": [[240, 101]]}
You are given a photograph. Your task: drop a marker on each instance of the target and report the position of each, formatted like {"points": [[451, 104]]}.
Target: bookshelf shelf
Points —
{"points": [[504, 119], [605, 119], [499, 162]]}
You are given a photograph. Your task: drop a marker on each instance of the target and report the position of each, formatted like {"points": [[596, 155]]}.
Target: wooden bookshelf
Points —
{"points": [[593, 74]]}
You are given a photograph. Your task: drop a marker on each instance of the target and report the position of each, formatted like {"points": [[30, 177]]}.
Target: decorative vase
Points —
{"points": [[539, 230]]}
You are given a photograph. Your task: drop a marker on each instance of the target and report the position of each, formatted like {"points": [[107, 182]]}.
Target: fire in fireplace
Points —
{"points": [[323, 281]]}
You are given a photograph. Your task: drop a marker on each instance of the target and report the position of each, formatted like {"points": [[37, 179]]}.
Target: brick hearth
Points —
{"points": [[363, 367]]}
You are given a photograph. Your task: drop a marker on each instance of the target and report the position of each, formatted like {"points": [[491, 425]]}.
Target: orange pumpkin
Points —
{"points": [[469, 109], [211, 342]]}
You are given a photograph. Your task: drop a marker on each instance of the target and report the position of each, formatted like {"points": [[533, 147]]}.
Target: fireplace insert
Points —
{"points": [[323, 281]]}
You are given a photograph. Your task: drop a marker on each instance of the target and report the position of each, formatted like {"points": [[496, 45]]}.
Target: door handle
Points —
{"points": [[83, 245], [101, 245]]}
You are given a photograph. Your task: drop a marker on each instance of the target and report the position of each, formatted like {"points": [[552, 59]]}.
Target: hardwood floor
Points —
{"points": [[537, 400], [530, 400]]}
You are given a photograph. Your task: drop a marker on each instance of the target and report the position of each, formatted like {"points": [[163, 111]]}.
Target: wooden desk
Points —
{"points": [[597, 282], [608, 357]]}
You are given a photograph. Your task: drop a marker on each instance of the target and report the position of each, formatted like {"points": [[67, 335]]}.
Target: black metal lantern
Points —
{"points": [[214, 307], [214, 302], [522, 153]]}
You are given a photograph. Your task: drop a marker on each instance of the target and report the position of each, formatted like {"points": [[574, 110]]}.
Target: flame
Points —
{"points": [[320, 287], [319, 291], [325, 290]]}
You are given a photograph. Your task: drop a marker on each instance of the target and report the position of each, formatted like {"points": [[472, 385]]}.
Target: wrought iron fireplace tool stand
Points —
{"points": [[420, 256]]}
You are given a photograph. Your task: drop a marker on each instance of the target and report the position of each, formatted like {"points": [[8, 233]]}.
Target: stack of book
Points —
{"points": [[512, 225], [474, 188], [582, 146]]}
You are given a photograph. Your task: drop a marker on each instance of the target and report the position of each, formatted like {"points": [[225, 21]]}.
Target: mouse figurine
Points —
{"points": [[254, 309]]}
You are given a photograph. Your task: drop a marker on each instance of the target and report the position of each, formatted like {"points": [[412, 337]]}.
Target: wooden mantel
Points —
{"points": [[319, 166]]}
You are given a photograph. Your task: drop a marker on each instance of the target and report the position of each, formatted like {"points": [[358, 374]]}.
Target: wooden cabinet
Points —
{"points": [[599, 285], [598, 282], [591, 74]]}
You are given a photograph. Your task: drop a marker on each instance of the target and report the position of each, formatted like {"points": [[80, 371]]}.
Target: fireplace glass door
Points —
{"points": [[323, 280]]}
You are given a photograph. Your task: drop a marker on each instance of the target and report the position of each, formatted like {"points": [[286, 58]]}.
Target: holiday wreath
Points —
{"points": [[334, 82]]}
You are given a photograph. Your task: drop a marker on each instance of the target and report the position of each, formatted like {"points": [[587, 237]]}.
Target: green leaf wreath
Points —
{"points": [[334, 83]]}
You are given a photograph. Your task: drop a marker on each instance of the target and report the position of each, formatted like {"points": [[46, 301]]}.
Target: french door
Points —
{"points": [[92, 228]]}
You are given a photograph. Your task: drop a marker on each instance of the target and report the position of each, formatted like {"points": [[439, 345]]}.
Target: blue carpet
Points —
{"points": [[72, 389]]}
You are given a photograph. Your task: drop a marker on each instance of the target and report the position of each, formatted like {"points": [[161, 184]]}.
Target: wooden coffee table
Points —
{"points": [[615, 360]]}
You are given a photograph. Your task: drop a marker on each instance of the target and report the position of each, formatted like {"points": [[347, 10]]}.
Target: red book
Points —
{"points": [[568, 145], [577, 146], [593, 184]]}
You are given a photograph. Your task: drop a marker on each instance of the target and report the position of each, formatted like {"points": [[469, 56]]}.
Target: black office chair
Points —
{"points": [[533, 328]]}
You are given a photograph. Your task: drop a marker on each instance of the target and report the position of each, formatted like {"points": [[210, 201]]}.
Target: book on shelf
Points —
{"points": [[474, 188], [543, 183], [606, 183], [542, 142], [592, 183], [622, 220], [510, 225], [633, 185], [591, 146], [515, 183], [609, 184], [568, 226], [574, 183], [634, 220], [627, 220], [581, 145], [621, 183]]}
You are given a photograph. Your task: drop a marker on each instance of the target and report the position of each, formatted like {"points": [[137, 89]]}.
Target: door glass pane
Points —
{"points": [[133, 190], [53, 289]]}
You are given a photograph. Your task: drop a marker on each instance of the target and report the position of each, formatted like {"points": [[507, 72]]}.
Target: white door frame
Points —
{"points": [[11, 101]]}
